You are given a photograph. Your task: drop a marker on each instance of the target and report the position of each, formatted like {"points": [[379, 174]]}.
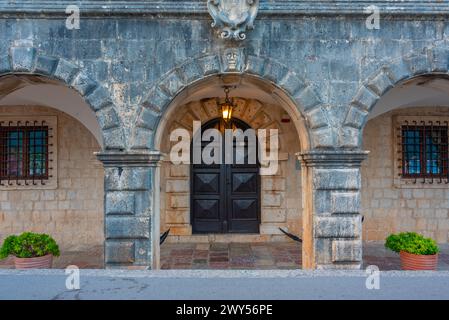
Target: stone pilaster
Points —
{"points": [[129, 207], [332, 221]]}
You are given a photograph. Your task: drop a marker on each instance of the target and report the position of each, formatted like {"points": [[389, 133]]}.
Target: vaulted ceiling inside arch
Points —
{"points": [[423, 91]]}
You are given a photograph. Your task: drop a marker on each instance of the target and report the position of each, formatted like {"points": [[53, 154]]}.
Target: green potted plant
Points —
{"points": [[416, 251], [30, 250]]}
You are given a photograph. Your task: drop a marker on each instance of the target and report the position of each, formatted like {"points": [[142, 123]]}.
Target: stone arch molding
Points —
{"points": [[429, 61], [231, 61], [27, 60]]}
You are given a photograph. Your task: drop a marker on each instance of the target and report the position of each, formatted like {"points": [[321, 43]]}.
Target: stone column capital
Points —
{"points": [[332, 158], [130, 159]]}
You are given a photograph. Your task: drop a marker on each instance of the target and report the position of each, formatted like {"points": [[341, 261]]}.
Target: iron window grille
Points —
{"points": [[423, 151], [25, 157]]}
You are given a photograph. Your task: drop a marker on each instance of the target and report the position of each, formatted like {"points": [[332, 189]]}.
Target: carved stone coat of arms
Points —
{"points": [[233, 17]]}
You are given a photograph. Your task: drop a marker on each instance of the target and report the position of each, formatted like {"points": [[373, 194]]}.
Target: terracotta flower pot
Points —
{"points": [[44, 262], [418, 262]]}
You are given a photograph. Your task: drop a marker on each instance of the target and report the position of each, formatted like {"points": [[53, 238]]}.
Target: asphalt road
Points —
{"points": [[222, 285]]}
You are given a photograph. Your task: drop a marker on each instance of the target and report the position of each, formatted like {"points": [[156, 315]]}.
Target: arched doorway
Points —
{"points": [[282, 202], [225, 197]]}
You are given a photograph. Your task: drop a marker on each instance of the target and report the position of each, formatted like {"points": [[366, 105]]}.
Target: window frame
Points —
{"points": [[50, 179], [423, 131], [402, 180], [26, 154]]}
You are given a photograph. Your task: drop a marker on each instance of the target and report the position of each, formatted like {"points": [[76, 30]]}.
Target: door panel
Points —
{"points": [[207, 209], [244, 182], [225, 198], [206, 182], [243, 199]]}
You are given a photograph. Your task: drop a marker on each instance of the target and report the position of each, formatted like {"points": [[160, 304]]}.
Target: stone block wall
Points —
{"points": [[280, 194], [389, 207], [72, 212]]}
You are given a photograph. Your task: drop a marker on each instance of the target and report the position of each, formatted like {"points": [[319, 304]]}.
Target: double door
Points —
{"points": [[225, 198]]}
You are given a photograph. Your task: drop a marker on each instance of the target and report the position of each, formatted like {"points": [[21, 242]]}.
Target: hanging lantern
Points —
{"points": [[227, 106]]}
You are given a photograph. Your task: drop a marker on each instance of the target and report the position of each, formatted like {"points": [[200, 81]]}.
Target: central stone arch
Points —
{"points": [[288, 83]]}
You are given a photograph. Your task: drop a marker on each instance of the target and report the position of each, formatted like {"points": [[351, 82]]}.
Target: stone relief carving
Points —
{"points": [[233, 18], [232, 59]]}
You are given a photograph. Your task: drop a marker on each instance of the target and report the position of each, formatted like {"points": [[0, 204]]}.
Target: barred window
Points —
{"points": [[24, 152], [424, 150]]}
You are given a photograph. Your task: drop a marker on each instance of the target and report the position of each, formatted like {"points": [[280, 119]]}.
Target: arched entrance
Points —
{"points": [[405, 178], [50, 179], [402, 102], [225, 197], [244, 217]]}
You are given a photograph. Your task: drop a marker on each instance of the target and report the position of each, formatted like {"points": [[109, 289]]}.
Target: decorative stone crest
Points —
{"points": [[233, 17]]}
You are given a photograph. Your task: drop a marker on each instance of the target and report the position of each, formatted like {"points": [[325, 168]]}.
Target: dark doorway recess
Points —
{"points": [[225, 198]]}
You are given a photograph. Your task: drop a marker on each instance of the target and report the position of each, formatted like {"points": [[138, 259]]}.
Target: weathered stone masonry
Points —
{"points": [[129, 208], [129, 62]]}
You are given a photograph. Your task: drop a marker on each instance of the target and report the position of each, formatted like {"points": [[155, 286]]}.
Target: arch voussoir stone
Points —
{"points": [[274, 72], [23, 59], [66, 71], [108, 118], [45, 65], [209, 65], [173, 83], [307, 99], [292, 83], [323, 138], [191, 71], [99, 98], [317, 117], [398, 71], [365, 98], [418, 64], [380, 84], [255, 65], [157, 100], [84, 84], [439, 60]]}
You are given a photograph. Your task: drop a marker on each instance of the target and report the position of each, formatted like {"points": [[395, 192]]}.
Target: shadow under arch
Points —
{"points": [[26, 90]]}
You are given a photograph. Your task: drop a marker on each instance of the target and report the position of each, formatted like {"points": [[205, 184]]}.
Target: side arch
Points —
{"points": [[433, 61], [25, 60], [308, 104]]}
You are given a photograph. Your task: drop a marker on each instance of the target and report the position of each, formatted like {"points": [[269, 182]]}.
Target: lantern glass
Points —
{"points": [[226, 110]]}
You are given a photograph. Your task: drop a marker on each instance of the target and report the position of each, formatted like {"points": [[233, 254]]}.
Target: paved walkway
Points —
{"points": [[222, 285], [231, 256], [248, 256]]}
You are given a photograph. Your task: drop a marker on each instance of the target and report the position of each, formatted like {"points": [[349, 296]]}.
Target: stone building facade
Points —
{"points": [[134, 70]]}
